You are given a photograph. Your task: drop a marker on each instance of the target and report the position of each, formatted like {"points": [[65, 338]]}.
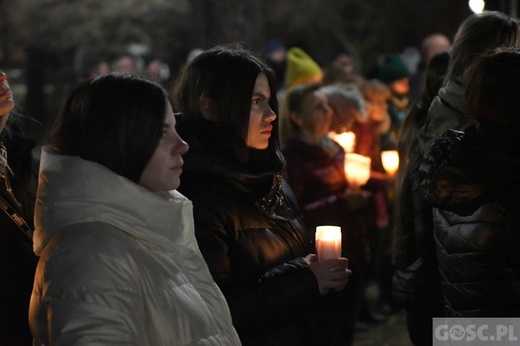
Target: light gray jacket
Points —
{"points": [[447, 111]]}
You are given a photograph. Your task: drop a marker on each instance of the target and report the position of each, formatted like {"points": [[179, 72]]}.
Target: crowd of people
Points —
{"points": [[185, 213]]}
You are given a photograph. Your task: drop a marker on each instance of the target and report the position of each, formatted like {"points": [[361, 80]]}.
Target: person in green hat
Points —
{"points": [[301, 68], [396, 76]]}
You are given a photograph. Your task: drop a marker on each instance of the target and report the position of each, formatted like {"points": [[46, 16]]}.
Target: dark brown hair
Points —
{"points": [[226, 75], [115, 120], [492, 88], [478, 33]]}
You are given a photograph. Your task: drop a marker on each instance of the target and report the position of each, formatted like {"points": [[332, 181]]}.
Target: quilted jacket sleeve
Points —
{"points": [[84, 293]]}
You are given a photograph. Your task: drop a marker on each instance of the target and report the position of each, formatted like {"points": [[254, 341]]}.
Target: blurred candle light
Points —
{"points": [[347, 140], [477, 6], [328, 242], [357, 169], [390, 159]]}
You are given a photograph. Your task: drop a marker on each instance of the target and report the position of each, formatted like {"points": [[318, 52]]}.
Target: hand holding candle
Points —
{"points": [[332, 274], [328, 242]]}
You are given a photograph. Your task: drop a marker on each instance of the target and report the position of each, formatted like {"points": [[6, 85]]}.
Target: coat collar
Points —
{"points": [[72, 190]]}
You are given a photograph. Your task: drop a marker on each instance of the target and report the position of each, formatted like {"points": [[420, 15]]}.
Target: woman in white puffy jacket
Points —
{"points": [[119, 263]]}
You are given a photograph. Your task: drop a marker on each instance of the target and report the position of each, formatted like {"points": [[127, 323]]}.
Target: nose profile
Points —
{"points": [[180, 147], [270, 116]]}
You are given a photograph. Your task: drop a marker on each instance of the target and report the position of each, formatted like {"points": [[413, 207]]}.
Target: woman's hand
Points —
{"points": [[332, 274]]}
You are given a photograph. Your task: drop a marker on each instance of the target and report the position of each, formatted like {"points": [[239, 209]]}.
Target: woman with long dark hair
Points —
{"points": [[247, 223]]}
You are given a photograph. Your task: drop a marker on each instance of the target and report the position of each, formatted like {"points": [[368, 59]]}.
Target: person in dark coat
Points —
{"points": [[416, 284], [247, 222], [18, 180], [473, 180]]}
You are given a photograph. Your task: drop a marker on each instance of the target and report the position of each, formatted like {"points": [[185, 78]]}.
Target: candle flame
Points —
{"points": [[357, 169], [347, 140], [328, 232], [390, 159]]}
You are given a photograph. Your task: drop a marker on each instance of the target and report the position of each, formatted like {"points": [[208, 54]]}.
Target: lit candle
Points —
{"points": [[357, 169], [390, 159], [328, 242], [345, 139]]}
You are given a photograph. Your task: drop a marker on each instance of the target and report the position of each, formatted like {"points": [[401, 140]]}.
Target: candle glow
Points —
{"points": [[357, 169], [328, 242], [347, 140], [390, 159]]}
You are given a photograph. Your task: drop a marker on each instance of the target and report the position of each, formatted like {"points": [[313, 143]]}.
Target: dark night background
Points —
{"points": [[47, 45]]}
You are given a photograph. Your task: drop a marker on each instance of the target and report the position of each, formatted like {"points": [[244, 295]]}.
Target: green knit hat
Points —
{"points": [[301, 68], [393, 69]]}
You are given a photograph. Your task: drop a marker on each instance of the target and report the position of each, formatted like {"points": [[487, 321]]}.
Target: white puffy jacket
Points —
{"points": [[119, 265]]}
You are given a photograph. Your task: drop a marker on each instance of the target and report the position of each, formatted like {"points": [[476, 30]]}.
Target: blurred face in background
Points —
{"points": [[6, 100], [401, 86], [315, 116], [345, 62], [377, 107]]}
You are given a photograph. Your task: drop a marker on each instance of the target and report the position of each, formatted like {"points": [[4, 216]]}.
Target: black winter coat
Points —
{"points": [[416, 283], [251, 235], [17, 260], [473, 180]]}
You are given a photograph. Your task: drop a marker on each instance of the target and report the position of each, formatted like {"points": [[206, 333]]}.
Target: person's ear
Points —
{"points": [[207, 108]]}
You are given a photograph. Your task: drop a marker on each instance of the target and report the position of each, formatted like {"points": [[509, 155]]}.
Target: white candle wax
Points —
{"points": [[328, 242]]}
